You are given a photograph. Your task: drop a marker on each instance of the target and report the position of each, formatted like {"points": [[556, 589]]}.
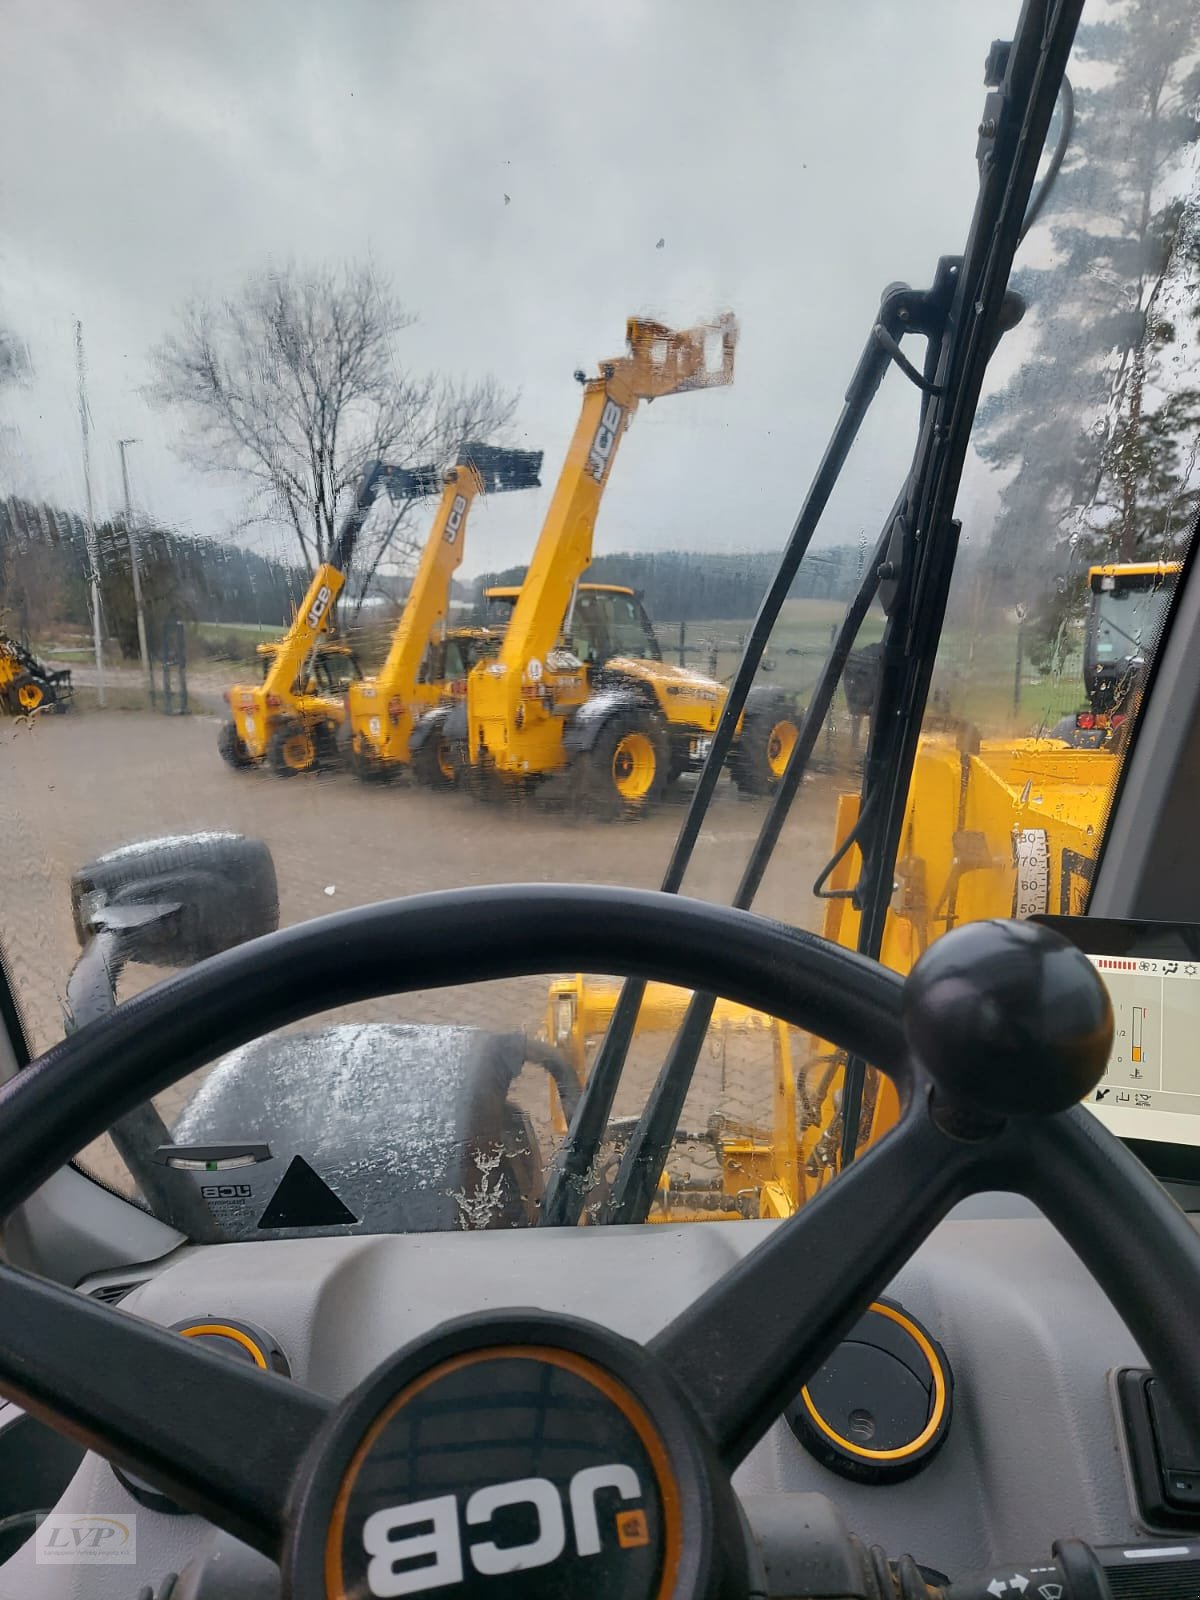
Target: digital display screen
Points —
{"points": [[1151, 1087]]}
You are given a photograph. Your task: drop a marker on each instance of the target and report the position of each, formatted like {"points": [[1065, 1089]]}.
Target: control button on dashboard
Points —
{"points": [[879, 1409], [1164, 1460], [242, 1341], [239, 1341]]}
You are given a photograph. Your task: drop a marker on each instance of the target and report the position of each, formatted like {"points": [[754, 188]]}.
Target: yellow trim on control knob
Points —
{"points": [[222, 1330], [902, 1452]]}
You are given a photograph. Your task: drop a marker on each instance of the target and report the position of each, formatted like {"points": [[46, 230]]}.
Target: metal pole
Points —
{"points": [[131, 535], [1019, 666], [89, 529]]}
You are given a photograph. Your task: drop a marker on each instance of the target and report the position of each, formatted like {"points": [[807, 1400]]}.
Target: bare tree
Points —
{"points": [[295, 385]]}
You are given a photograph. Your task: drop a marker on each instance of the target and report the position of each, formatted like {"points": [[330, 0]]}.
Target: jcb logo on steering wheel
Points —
{"points": [[438, 1541]]}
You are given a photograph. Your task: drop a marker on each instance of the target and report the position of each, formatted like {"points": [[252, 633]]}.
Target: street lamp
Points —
{"points": [[130, 534]]}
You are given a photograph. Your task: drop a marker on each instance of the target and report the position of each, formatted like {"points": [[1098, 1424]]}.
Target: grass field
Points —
{"points": [[975, 677], [229, 641]]}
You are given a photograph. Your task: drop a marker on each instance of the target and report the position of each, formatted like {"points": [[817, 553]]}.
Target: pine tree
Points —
{"points": [[1099, 425]]}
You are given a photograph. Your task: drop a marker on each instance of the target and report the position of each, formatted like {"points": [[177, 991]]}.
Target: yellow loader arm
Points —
{"points": [[663, 361], [316, 609], [658, 361], [481, 469], [310, 621]]}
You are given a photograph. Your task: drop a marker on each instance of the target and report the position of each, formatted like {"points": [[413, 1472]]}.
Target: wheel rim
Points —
{"points": [[634, 766], [445, 762], [298, 751], [30, 696], [781, 741]]}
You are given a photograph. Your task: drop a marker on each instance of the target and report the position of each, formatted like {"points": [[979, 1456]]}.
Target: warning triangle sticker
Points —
{"points": [[304, 1200]]}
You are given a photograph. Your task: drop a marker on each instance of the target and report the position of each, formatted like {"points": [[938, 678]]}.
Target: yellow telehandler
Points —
{"points": [[291, 720], [1127, 602], [578, 689], [992, 828], [427, 663], [27, 684], [1009, 827]]}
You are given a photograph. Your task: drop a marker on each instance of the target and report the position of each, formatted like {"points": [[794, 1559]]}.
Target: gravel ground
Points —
{"points": [[72, 787]]}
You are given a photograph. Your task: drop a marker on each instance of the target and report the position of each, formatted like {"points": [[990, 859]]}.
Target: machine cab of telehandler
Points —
{"points": [[795, 1195]]}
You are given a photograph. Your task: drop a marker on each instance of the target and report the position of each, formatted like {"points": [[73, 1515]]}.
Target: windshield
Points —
{"points": [[607, 624], [244, 402], [448, 660], [1128, 622]]}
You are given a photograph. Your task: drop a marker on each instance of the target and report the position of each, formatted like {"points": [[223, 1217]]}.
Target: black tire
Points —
{"points": [[433, 763], [292, 749], [860, 679], [479, 779], [329, 745], [770, 728], [225, 885], [30, 692], [367, 767], [232, 746], [633, 740]]}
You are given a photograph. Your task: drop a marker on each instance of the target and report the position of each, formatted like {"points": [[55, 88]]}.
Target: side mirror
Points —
{"points": [[167, 903], [170, 902]]}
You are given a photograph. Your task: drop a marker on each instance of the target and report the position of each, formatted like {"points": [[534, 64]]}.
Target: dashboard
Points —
{"points": [[1034, 1451], [1150, 1093]]}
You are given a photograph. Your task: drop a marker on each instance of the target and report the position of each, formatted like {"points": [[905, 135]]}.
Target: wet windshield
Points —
{"points": [[246, 402], [612, 624], [1128, 622]]}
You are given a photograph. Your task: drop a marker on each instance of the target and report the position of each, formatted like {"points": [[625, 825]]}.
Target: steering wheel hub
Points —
{"points": [[526, 1454]]}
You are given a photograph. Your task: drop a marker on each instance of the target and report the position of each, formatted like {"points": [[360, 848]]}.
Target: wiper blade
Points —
{"points": [[637, 1177]]}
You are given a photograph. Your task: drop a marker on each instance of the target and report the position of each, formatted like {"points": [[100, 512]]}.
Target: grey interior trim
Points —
{"points": [[73, 1227], [1150, 866], [1022, 1323]]}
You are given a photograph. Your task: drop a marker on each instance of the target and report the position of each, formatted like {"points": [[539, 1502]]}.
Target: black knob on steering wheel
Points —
{"points": [[1008, 1019]]}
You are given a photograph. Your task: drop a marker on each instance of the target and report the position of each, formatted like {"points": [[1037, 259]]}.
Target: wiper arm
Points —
{"points": [[637, 1177], [1025, 78], [900, 309]]}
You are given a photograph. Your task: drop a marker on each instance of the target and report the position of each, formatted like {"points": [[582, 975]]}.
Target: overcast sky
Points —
{"points": [[793, 158]]}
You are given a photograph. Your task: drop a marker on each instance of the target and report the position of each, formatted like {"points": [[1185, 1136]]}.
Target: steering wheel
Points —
{"points": [[996, 1035]]}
